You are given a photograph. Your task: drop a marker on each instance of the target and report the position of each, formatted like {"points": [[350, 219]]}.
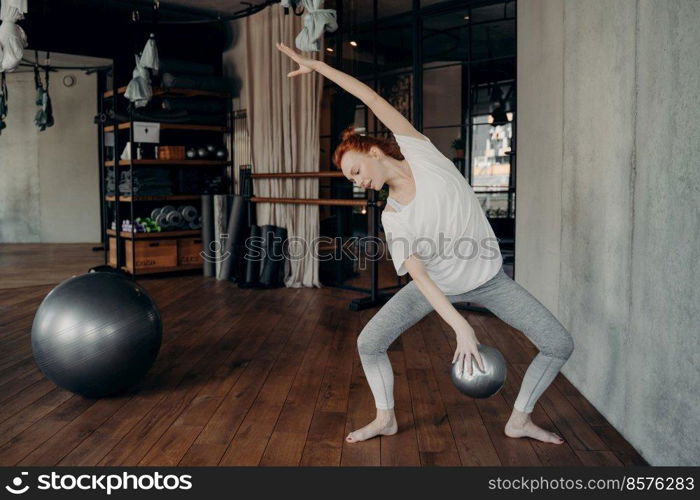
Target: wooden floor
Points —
{"points": [[28, 264], [272, 377]]}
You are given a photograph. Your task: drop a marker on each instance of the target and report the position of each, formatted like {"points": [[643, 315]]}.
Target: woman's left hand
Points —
{"points": [[467, 348], [305, 64]]}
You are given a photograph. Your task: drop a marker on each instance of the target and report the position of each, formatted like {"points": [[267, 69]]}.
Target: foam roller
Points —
{"points": [[276, 236], [208, 233], [235, 230], [252, 269]]}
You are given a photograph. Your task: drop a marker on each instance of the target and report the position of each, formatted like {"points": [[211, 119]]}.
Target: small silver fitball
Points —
{"points": [[481, 384]]}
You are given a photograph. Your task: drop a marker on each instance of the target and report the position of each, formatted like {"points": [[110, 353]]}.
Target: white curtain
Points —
{"points": [[283, 123]]}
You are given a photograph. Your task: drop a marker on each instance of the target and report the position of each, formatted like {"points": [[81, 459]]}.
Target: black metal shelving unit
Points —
{"points": [[116, 206]]}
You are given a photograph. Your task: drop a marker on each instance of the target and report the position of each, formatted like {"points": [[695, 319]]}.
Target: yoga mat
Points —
{"points": [[274, 240], [208, 234], [165, 116], [220, 223], [252, 269], [235, 231], [279, 247]]}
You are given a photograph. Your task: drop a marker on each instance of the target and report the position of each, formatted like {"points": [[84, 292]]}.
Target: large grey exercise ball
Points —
{"points": [[97, 334], [481, 384]]}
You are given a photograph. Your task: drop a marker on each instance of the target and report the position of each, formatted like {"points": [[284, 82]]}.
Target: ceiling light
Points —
{"points": [[353, 43], [328, 49], [466, 18]]}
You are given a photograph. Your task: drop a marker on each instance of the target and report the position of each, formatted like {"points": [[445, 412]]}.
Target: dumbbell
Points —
{"points": [[174, 219], [188, 212], [162, 221]]}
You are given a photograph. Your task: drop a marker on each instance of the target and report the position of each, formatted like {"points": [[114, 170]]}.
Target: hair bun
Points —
{"points": [[348, 132]]}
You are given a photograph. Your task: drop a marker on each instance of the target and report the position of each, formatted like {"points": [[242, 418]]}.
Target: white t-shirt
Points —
{"points": [[444, 224]]}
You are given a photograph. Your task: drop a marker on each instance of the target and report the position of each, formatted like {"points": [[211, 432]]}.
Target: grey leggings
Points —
{"points": [[503, 297]]}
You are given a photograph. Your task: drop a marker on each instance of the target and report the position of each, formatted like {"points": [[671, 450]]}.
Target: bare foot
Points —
{"points": [[521, 425], [384, 425]]}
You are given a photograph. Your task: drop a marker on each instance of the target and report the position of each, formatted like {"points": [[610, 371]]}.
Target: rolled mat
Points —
{"points": [[281, 239], [235, 231], [273, 264], [252, 269], [221, 203], [207, 211], [165, 116]]}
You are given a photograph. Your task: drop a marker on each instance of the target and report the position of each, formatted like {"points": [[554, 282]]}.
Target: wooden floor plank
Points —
{"points": [[572, 427], [624, 451], [178, 360], [505, 338], [249, 442], [322, 444], [361, 407], [273, 377], [401, 449], [474, 444], [238, 387], [598, 458], [160, 419], [286, 444], [71, 436]]}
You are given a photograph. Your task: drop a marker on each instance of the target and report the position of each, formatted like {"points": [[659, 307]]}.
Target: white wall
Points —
{"points": [[608, 205], [49, 181]]}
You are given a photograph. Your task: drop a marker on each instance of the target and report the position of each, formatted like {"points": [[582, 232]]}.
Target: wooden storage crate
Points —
{"points": [[171, 152], [112, 261], [151, 254], [189, 251]]}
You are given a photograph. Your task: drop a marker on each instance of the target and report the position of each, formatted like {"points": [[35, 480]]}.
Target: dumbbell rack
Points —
{"points": [[117, 254]]}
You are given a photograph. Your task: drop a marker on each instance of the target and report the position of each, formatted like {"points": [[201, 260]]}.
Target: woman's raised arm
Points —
{"points": [[385, 112]]}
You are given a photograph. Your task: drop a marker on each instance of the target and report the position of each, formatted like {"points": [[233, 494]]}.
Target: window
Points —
{"points": [[462, 81]]}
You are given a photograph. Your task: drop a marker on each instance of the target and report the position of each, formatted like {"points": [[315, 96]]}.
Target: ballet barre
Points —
{"points": [[315, 201], [298, 175], [375, 297]]}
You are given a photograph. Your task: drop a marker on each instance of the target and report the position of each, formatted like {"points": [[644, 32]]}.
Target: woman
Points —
{"points": [[438, 233]]}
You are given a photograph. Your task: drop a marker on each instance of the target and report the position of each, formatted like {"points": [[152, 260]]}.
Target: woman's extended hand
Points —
{"points": [[467, 346], [305, 64]]}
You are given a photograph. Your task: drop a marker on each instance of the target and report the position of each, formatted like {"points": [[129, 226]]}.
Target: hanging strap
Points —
{"points": [[46, 73], [3, 100], [37, 75]]}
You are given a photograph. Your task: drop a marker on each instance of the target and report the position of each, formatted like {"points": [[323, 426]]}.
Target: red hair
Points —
{"points": [[352, 141]]}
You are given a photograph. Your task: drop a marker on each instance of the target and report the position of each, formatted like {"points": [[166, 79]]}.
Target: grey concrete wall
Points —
{"points": [[608, 205], [49, 181]]}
